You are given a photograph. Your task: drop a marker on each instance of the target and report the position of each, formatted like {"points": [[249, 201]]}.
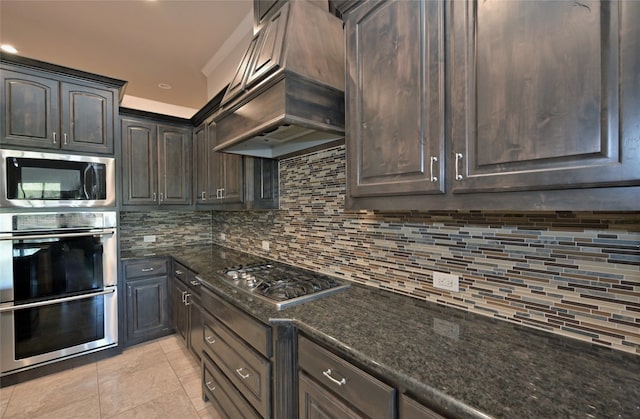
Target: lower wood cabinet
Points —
{"points": [[337, 382], [186, 316], [147, 299], [411, 409], [237, 369]]}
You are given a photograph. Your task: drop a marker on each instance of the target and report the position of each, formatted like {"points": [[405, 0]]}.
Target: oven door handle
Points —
{"points": [[57, 300], [58, 235]]}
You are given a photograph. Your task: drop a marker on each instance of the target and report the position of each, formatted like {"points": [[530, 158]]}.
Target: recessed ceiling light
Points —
{"points": [[165, 86], [8, 48]]}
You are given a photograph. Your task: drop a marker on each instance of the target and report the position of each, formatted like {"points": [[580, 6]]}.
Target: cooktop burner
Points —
{"points": [[281, 284]]}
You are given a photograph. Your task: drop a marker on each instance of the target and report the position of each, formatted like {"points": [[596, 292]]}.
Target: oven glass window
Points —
{"points": [[46, 179], [56, 267], [48, 328]]}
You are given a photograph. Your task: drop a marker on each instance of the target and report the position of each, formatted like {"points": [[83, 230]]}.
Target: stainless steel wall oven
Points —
{"points": [[36, 180], [58, 282]]}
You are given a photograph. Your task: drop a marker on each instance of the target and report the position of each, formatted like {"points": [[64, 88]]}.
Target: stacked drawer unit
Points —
{"points": [[236, 362]]}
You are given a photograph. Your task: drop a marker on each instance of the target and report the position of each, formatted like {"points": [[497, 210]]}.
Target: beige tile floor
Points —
{"points": [[158, 379]]}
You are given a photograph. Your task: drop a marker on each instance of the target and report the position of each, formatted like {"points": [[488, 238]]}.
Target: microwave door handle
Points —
{"points": [[84, 180]]}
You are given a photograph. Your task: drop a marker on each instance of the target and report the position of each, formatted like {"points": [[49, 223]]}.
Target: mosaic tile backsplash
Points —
{"points": [[171, 228], [571, 273]]}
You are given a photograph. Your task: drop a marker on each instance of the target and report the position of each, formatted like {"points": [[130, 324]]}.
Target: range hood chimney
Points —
{"points": [[287, 96]]}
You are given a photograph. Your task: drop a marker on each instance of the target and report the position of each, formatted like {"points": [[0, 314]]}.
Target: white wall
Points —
{"points": [[222, 66]]}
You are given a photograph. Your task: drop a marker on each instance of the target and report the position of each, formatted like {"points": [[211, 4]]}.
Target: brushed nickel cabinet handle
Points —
{"points": [[54, 138], [458, 158], [243, 376], [184, 297], [186, 300], [210, 340], [147, 269], [434, 159], [204, 196], [327, 374], [154, 197], [161, 197], [195, 283], [179, 272], [65, 138], [210, 386]]}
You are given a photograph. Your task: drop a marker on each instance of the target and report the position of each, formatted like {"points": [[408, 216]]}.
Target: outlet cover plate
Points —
{"points": [[447, 282]]}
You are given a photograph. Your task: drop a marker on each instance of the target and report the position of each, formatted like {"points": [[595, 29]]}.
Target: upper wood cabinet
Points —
{"points": [[39, 111], [539, 111], [219, 177], [535, 96], [156, 163], [395, 98]]}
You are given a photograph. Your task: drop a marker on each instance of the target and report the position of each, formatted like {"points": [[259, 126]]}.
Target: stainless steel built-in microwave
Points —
{"points": [[36, 180]]}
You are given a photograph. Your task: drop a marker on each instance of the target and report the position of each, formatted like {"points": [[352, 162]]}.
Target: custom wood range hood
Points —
{"points": [[287, 95]]}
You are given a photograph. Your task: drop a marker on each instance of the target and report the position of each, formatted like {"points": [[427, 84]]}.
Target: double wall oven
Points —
{"points": [[58, 258], [57, 286]]}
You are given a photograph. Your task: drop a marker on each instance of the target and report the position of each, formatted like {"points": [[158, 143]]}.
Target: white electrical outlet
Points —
{"points": [[223, 236], [444, 281], [149, 239], [265, 245]]}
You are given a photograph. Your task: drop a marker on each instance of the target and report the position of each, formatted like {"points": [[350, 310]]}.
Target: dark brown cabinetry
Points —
{"points": [[540, 109], [41, 111], [330, 385], [219, 180], [237, 359], [147, 299], [156, 163], [186, 308], [411, 409], [263, 55], [395, 98]]}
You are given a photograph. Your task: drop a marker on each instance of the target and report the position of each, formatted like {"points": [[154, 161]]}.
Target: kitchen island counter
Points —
{"points": [[459, 363]]}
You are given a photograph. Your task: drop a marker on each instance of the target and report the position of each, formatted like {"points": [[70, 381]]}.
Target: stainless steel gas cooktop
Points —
{"points": [[281, 284]]}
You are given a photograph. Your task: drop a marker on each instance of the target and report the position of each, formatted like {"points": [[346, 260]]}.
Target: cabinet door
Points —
{"points": [[233, 178], [174, 165], [147, 308], [87, 119], [314, 402], [535, 96], [179, 315], [411, 409], [268, 52], [237, 84], [139, 163], [201, 161], [196, 336], [395, 98], [265, 183], [30, 110]]}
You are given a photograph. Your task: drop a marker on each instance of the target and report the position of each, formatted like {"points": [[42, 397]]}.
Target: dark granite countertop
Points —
{"points": [[461, 363]]}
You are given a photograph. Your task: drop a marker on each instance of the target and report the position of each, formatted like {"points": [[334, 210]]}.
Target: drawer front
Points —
{"points": [[244, 367], [411, 409], [366, 393], [227, 401], [145, 267], [181, 272], [316, 402], [253, 332]]}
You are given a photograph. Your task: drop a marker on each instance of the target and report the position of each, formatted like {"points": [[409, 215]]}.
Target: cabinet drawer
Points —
{"points": [[244, 367], [222, 394], [255, 333], [411, 409], [186, 276], [369, 395], [145, 267]]}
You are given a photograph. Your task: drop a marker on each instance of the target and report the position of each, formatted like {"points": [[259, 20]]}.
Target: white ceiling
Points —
{"points": [[141, 41]]}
